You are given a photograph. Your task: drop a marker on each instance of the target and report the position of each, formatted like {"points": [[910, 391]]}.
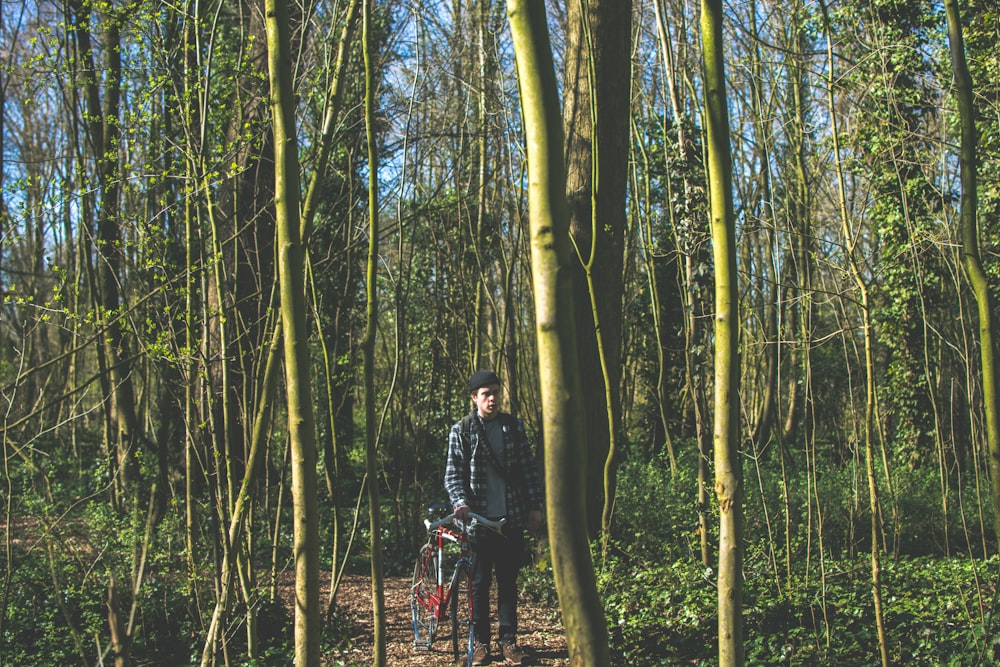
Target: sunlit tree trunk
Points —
{"points": [[670, 76], [761, 425], [970, 250], [310, 206], [291, 276], [190, 364], [6, 356], [869, 354], [728, 474], [368, 347], [202, 516], [244, 498], [562, 407]]}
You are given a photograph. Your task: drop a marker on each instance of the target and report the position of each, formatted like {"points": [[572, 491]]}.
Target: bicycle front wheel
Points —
{"points": [[461, 613], [424, 598]]}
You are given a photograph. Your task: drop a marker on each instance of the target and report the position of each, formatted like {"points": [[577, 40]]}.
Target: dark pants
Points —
{"points": [[504, 554]]}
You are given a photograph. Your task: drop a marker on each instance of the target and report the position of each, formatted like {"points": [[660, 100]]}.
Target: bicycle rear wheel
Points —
{"points": [[461, 613], [424, 598]]}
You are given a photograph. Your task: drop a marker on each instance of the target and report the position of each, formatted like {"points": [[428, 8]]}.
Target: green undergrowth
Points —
{"points": [[938, 611], [807, 594]]}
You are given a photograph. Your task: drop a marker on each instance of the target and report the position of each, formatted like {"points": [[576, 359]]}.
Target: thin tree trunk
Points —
{"points": [[728, 475], [291, 275], [103, 134], [868, 333], [704, 453], [649, 255], [970, 250], [764, 419], [368, 349], [801, 210], [116, 626], [192, 258], [244, 498], [670, 75], [334, 101], [310, 206], [562, 407]]}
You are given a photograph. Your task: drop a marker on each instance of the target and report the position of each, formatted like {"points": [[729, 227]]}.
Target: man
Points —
{"points": [[491, 471]]}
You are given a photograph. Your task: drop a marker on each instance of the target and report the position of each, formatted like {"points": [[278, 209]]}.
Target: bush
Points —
{"points": [[659, 614], [800, 607]]}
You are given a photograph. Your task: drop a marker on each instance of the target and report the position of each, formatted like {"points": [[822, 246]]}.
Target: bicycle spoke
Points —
{"points": [[424, 599]]}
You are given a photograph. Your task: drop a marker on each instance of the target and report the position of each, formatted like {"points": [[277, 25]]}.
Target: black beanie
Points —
{"points": [[482, 379]]}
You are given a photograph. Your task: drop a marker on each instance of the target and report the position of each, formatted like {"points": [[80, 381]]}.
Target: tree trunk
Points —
{"points": [[596, 121], [116, 626], [663, 366], [562, 407], [103, 137], [869, 346], [368, 348], [970, 250], [309, 208], [243, 503], [764, 419], [291, 275], [728, 474]]}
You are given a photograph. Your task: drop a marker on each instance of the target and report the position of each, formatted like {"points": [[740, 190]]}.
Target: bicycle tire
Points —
{"points": [[424, 599], [461, 612]]}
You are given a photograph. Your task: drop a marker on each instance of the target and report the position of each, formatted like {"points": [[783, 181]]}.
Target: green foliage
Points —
{"points": [[660, 601], [668, 525], [195, 144], [911, 284], [41, 624], [659, 613], [828, 619], [56, 603]]}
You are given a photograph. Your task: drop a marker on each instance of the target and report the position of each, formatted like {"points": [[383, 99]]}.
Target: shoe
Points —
{"points": [[480, 654], [514, 654]]}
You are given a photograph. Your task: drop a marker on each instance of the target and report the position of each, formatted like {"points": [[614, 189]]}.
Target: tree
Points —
{"points": [[728, 473], [868, 425], [368, 347], [562, 408], [291, 276], [972, 259], [103, 136], [596, 112]]}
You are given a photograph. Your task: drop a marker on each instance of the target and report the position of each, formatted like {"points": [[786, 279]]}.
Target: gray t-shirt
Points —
{"points": [[496, 487]]}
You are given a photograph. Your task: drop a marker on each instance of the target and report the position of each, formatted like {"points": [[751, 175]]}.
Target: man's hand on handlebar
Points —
{"points": [[465, 515]]}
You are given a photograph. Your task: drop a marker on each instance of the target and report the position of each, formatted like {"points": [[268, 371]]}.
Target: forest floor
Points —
{"points": [[540, 633]]}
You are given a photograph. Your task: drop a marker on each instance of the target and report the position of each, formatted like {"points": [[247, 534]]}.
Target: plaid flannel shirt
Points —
{"points": [[465, 471]]}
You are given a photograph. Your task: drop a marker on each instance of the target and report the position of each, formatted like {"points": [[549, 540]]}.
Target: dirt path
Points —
{"points": [[541, 631]]}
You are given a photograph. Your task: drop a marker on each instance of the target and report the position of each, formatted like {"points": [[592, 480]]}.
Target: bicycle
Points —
{"points": [[431, 601]]}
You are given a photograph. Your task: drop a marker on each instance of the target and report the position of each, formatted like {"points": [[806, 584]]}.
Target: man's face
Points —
{"points": [[487, 400]]}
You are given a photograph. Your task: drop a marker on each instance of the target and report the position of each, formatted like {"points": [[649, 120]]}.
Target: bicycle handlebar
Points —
{"points": [[475, 519]]}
